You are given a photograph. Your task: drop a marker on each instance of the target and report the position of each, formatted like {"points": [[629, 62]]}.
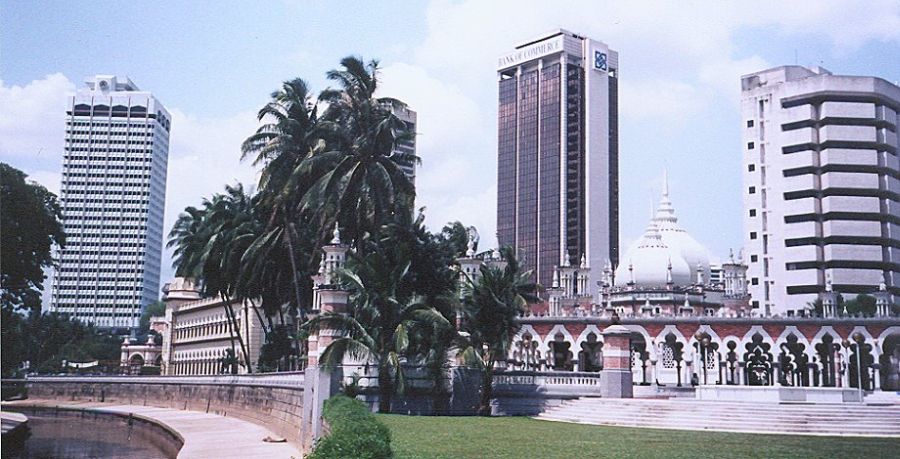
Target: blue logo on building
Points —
{"points": [[599, 60]]}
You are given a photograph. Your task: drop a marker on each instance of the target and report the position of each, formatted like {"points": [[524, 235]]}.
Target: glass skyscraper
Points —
{"points": [[113, 196], [557, 190]]}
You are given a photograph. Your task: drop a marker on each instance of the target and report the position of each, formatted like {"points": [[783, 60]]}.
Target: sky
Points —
{"points": [[214, 64]]}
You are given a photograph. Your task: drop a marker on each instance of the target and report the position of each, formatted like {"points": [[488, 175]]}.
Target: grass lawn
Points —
{"points": [[521, 437]]}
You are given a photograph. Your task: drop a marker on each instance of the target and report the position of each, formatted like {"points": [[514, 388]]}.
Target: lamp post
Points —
{"points": [[703, 340], [858, 338]]}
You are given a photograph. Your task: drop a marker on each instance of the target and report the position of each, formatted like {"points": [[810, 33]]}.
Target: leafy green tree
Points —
{"points": [[284, 253], [29, 227], [356, 178], [209, 244], [377, 328], [154, 309], [46, 340], [492, 305], [865, 305]]}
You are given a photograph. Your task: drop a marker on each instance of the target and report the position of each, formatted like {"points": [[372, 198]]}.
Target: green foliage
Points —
{"points": [[355, 433], [491, 309], [154, 309], [30, 219], [865, 305], [279, 344], [382, 317], [48, 339]]}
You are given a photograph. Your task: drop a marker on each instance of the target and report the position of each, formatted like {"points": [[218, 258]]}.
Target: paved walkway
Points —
{"points": [[205, 435]]}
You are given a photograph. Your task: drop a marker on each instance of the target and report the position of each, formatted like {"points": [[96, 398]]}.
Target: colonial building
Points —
{"points": [[199, 336]]}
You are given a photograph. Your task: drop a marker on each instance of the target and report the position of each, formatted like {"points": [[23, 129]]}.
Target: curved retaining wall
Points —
{"points": [[274, 401]]}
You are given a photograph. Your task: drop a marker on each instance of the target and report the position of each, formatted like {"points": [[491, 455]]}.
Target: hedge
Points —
{"points": [[354, 433]]}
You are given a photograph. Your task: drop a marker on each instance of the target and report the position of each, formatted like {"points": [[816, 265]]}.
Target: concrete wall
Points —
{"points": [[273, 401]]}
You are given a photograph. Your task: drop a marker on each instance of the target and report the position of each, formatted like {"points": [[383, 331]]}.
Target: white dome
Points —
{"points": [[647, 263], [678, 239]]}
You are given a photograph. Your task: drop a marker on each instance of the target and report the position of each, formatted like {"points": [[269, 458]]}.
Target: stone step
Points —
{"points": [[733, 412], [814, 419], [838, 422], [871, 417], [756, 427], [755, 409]]}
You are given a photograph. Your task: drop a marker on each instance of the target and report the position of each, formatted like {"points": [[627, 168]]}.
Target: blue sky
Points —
{"points": [[213, 65]]}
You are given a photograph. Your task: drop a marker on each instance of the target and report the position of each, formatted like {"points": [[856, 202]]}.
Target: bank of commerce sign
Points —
{"points": [[600, 61], [531, 52]]}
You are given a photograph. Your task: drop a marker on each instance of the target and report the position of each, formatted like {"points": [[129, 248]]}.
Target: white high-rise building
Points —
{"points": [[821, 184], [408, 116], [113, 196], [558, 153]]}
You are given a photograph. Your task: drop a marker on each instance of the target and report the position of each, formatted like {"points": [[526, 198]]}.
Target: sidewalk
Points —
{"points": [[205, 435]]}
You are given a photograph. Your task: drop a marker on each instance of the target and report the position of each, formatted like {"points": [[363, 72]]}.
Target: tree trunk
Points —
{"points": [[385, 387], [487, 389], [237, 332], [295, 282]]}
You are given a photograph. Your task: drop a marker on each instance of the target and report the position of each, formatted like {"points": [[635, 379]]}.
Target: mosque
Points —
{"points": [[665, 273]]}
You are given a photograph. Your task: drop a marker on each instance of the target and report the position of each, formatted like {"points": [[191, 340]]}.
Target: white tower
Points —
{"points": [[113, 197]]}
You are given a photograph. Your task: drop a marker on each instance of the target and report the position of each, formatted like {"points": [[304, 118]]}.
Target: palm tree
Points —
{"points": [[356, 178], [209, 244], [281, 145], [492, 305], [377, 329]]}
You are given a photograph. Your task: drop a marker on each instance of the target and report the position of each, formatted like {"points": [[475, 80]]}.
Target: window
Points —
{"points": [[749, 123], [754, 281], [752, 212], [752, 190], [751, 145], [754, 258], [753, 235], [751, 168]]}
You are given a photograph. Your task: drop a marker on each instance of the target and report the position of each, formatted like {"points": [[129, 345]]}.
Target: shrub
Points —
{"points": [[354, 432]]}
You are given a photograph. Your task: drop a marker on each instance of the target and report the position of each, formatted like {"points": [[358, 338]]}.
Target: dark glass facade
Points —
{"points": [[542, 165], [527, 181], [549, 205], [614, 168], [575, 168], [506, 158]]}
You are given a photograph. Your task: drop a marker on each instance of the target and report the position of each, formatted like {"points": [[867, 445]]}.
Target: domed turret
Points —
{"points": [[696, 256], [648, 262]]}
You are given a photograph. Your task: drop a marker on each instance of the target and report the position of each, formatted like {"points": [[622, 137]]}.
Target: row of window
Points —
{"points": [[118, 192], [131, 123], [106, 175], [105, 244], [131, 159], [106, 141], [123, 132], [130, 167]]}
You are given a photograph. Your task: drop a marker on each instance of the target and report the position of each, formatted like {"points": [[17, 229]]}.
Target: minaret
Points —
{"points": [[321, 382], [882, 301], [328, 296]]}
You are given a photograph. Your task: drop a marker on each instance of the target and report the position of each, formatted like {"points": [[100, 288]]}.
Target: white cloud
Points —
{"points": [[455, 136], [679, 65], [32, 120], [204, 156]]}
